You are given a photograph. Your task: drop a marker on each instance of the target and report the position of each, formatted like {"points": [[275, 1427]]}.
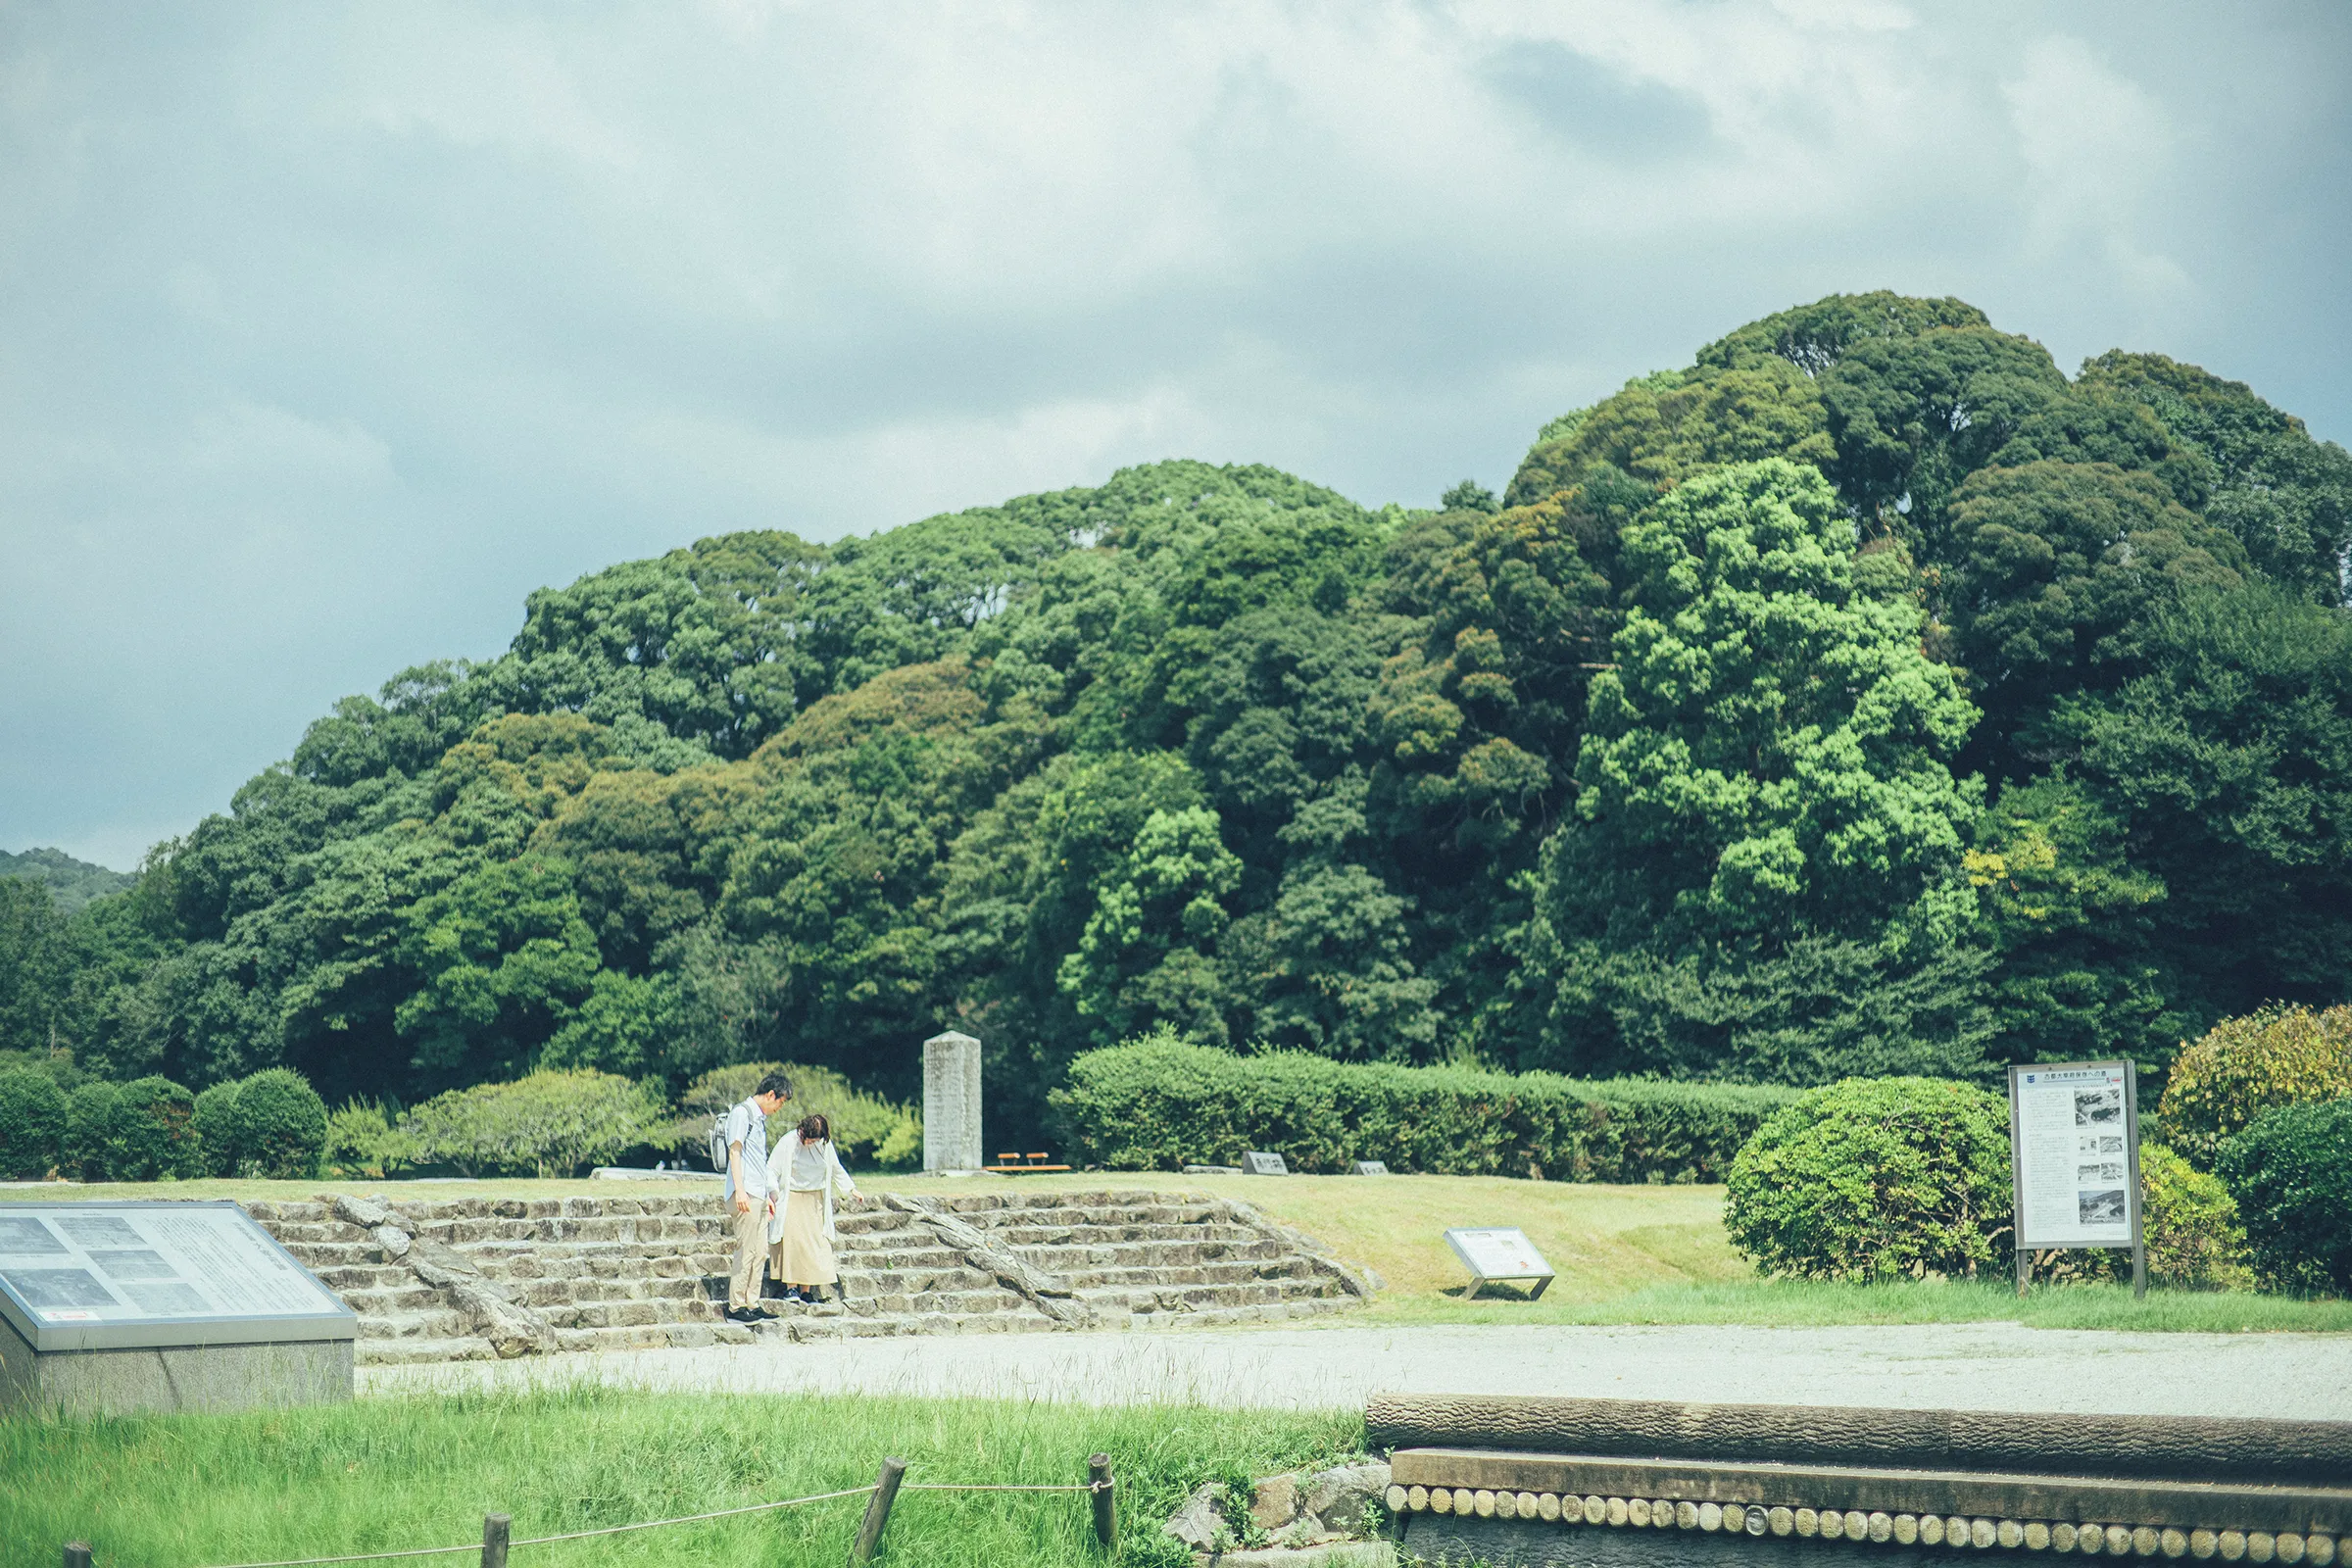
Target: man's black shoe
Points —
{"points": [[745, 1314]]}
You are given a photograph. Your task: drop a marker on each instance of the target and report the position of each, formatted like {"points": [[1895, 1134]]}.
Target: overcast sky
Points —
{"points": [[327, 332]]}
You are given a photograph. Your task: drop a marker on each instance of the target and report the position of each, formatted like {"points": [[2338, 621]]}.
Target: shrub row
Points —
{"points": [[270, 1124], [1157, 1104]]}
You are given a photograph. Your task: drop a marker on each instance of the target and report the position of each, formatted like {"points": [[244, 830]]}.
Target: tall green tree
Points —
{"points": [[1768, 762]]}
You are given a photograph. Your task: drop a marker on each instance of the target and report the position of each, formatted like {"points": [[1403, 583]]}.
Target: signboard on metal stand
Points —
{"points": [[2074, 1157], [1500, 1254]]}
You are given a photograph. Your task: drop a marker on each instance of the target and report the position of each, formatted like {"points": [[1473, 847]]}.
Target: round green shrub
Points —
{"points": [[279, 1125], [1875, 1178], [216, 1124], [2243, 1066], [2291, 1171], [548, 1123], [94, 1142], [33, 1125], [158, 1140]]}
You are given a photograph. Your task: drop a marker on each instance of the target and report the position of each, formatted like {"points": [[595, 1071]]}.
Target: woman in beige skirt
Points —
{"points": [[800, 1230]]}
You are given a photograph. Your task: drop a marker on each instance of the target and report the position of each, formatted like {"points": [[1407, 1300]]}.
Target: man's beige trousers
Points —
{"points": [[750, 1255]]}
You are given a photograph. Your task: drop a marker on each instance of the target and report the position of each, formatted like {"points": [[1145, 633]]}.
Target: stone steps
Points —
{"points": [[630, 1273]]}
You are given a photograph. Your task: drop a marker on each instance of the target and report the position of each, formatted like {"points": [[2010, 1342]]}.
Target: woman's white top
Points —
{"points": [[805, 1168]]}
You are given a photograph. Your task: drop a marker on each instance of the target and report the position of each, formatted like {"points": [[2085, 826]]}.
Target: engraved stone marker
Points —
{"points": [[1260, 1163], [951, 1102], [1369, 1167], [159, 1306]]}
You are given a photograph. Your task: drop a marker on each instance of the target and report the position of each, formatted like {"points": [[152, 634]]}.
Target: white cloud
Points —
{"points": [[2097, 150], [333, 332]]}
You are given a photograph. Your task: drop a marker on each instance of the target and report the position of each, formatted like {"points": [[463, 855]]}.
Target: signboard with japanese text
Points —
{"points": [[2075, 1152]]}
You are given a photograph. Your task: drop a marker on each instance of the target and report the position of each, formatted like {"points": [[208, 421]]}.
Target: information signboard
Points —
{"points": [[1500, 1254], [103, 1275], [2074, 1152]]}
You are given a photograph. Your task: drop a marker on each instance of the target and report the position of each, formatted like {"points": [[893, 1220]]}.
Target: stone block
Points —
{"points": [[167, 1379], [1275, 1502]]}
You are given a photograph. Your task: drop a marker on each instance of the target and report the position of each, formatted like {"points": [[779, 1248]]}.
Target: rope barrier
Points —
{"points": [[981, 1486], [685, 1519], [576, 1534], [692, 1518]]}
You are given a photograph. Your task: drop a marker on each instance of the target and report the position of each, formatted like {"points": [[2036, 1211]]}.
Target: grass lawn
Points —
{"points": [[1626, 1254], [385, 1473]]}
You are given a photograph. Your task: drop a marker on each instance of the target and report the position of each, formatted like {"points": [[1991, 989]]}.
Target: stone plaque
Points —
{"points": [[1500, 1253], [1369, 1167], [97, 1275], [951, 1103], [1257, 1162]]}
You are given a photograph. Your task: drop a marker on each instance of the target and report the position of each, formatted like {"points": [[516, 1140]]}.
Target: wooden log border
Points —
{"points": [[1759, 1516]]}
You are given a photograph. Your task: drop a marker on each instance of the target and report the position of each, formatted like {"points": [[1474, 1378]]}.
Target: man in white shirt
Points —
{"points": [[747, 1194]]}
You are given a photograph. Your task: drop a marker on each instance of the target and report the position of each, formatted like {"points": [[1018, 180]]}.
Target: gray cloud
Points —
{"points": [[332, 331]]}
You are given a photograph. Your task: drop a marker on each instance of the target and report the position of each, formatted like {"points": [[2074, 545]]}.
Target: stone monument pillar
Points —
{"points": [[951, 1103]]}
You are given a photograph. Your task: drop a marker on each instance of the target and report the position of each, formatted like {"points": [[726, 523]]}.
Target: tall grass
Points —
{"points": [[384, 1474]]}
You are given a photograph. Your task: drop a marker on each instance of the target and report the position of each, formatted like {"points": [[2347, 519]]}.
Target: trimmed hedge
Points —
{"points": [[549, 1123], [156, 1134], [33, 1125], [2243, 1066], [216, 1124], [1875, 1178], [279, 1124], [93, 1131], [2291, 1171], [1157, 1104]]}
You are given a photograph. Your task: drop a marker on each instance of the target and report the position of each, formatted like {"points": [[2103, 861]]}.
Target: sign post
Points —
{"points": [[2073, 1161], [1500, 1254]]}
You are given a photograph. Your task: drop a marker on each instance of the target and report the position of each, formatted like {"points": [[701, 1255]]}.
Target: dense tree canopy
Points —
{"points": [[1864, 696]]}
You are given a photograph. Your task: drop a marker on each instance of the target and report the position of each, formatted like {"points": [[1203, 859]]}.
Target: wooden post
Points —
{"points": [[1106, 1501], [2132, 1192], [78, 1554], [877, 1512], [495, 1528]]}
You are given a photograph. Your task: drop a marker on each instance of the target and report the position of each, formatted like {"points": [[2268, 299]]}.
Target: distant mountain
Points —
{"points": [[72, 883]]}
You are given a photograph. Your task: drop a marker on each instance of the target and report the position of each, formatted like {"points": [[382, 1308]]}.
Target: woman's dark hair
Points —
{"points": [[815, 1129]]}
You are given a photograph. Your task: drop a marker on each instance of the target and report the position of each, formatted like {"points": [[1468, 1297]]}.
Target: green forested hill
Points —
{"points": [[72, 883], [1864, 696]]}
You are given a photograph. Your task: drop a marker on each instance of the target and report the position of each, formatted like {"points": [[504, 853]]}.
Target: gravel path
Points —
{"points": [[1955, 1367]]}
